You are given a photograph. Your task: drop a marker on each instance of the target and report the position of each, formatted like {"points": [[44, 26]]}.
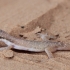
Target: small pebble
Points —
{"points": [[21, 35], [22, 26]]}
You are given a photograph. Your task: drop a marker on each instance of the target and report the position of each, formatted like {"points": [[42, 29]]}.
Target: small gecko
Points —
{"points": [[34, 46]]}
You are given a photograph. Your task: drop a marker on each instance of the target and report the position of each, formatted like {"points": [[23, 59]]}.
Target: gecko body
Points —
{"points": [[34, 46]]}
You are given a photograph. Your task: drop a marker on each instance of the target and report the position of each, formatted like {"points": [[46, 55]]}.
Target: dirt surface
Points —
{"points": [[42, 16]]}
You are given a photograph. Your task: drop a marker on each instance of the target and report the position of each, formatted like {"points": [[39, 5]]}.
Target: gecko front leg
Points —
{"points": [[49, 50]]}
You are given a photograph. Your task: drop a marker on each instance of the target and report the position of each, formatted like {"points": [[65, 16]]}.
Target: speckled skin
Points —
{"points": [[34, 46]]}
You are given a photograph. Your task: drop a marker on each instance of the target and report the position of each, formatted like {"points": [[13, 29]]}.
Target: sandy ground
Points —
{"points": [[36, 17]]}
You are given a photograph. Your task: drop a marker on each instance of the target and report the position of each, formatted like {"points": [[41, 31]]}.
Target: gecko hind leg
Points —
{"points": [[6, 48]]}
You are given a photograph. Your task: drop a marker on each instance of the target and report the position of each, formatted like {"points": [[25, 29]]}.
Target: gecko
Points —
{"points": [[34, 46]]}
